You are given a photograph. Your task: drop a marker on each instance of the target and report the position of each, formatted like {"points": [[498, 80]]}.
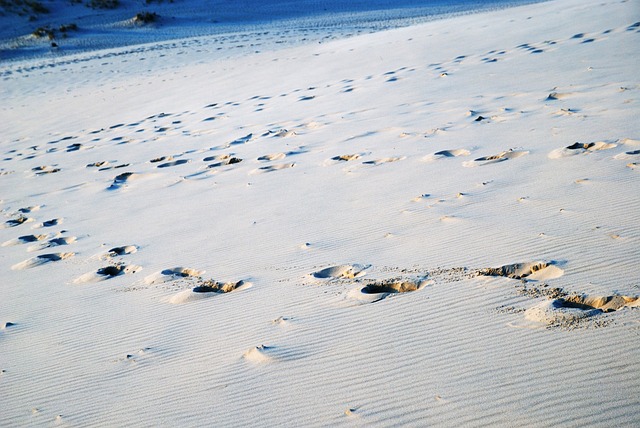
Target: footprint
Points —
{"points": [[172, 274], [271, 168], [376, 290], [40, 260], [53, 243], [226, 161], [5, 326], [566, 112], [340, 271], [452, 153], [122, 165], [122, 251], [532, 270], [98, 164], [500, 157], [75, 147], [580, 148], [107, 272], [604, 303], [628, 155], [242, 140], [443, 154], [161, 159], [182, 272], [173, 163], [384, 160], [122, 180], [17, 221], [43, 170], [24, 240], [30, 209], [208, 288], [554, 312], [49, 223], [218, 158], [346, 158], [272, 157], [569, 311], [211, 286], [554, 96]]}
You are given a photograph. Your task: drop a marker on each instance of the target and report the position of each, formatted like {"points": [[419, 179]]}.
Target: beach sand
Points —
{"points": [[434, 225]]}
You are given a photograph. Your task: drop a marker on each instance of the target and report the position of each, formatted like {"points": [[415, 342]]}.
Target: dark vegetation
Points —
{"points": [[103, 4], [146, 17], [51, 33], [23, 7]]}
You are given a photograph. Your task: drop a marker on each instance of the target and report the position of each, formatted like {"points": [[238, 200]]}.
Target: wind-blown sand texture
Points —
{"points": [[428, 226]]}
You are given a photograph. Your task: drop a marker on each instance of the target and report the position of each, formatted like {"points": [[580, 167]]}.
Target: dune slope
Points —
{"points": [[432, 225]]}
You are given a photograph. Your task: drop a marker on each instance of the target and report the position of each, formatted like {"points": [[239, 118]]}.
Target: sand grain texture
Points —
{"points": [[434, 225]]}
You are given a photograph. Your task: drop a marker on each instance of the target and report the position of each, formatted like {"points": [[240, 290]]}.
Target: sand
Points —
{"points": [[427, 226]]}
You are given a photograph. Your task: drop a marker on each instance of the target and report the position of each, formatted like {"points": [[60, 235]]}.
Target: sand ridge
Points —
{"points": [[296, 232]]}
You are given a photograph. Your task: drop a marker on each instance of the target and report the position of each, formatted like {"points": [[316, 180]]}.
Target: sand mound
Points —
{"points": [[259, 354]]}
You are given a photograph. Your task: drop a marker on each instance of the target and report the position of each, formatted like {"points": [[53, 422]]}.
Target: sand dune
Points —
{"points": [[433, 225]]}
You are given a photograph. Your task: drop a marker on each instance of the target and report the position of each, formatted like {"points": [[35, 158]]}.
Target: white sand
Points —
{"points": [[140, 187]]}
